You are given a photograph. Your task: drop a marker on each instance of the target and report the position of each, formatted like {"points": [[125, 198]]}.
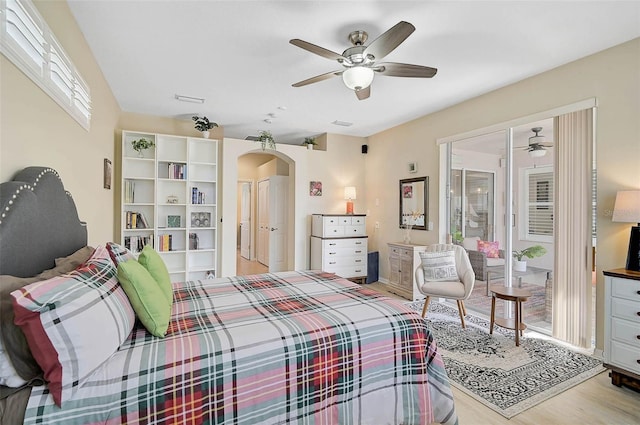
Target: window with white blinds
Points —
{"points": [[538, 208], [30, 45]]}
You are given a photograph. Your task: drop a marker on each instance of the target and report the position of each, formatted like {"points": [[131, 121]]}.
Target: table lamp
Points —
{"points": [[627, 210], [349, 195]]}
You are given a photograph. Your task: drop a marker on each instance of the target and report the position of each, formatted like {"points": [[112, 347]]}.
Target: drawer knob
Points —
{"points": [[332, 253], [332, 244], [358, 252], [358, 261], [360, 271], [332, 262]]}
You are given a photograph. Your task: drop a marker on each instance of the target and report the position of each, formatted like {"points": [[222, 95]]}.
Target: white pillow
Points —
{"points": [[8, 375], [470, 244], [439, 266]]}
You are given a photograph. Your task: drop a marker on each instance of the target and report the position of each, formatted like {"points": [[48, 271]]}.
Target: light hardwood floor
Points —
{"points": [[595, 401]]}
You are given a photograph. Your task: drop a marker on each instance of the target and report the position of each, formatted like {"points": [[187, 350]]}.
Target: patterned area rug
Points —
{"points": [[492, 370]]}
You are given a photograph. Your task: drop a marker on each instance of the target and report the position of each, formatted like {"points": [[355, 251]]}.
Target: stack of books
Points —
{"points": [[165, 243]]}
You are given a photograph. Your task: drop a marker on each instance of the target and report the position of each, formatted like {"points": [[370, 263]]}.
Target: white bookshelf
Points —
{"points": [[173, 189]]}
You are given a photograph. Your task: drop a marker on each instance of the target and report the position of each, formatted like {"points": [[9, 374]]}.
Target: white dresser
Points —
{"points": [[403, 261], [339, 245], [622, 326]]}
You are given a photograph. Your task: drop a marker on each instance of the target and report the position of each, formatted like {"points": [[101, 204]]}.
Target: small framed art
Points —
{"points": [[315, 188], [106, 174], [173, 221], [413, 167]]}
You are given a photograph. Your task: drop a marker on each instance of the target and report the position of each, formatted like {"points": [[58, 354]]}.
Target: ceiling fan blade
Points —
{"points": [[321, 51], [392, 69], [383, 45], [363, 93], [317, 78]]}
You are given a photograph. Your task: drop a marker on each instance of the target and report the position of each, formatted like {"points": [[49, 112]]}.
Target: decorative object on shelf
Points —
{"points": [[173, 221], [407, 233], [202, 219], [172, 199], [310, 142], [193, 241], [142, 145], [107, 174], [350, 195], [627, 210], [204, 125], [531, 252], [413, 167], [410, 221], [315, 188], [266, 140]]}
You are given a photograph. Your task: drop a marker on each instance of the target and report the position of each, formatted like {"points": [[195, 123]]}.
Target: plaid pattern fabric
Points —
{"points": [[118, 253], [289, 347], [74, 322]]}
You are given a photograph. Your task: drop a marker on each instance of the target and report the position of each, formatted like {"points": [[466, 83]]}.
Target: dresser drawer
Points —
{"points": [[625, 331], [625, 356], [359, 243], [344, 261], [625, 309], [349, 251], [347, 271], [334, 231], [355, 230], [625, 288]]}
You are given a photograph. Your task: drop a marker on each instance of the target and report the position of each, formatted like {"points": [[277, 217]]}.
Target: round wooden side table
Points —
{"points": [[517, 295]]}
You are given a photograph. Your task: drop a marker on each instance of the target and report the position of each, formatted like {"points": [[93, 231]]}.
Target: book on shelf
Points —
{"points": [[177, 171], [165, 243], [136, 243], [136, 220], [129, 191], [197, 197]]}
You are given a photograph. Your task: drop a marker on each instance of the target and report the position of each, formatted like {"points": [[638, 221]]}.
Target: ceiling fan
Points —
{"points": [[536, 147], [360, 61]]}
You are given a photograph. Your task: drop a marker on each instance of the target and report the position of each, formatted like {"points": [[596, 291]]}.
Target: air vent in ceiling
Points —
{"points": [[252, 138], [342, 123]]}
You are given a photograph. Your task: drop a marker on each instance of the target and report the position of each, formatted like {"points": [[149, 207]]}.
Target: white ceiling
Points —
{"points": [[236, 55]]}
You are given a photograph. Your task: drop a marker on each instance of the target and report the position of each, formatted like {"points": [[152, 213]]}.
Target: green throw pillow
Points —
{"points": [[152, 261], [146, 297]]}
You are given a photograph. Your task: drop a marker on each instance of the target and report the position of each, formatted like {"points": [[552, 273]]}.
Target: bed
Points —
{"points": [[296, 347]]}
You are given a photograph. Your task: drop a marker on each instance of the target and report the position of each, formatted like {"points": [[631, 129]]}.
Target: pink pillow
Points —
{"points": [[489, 248]]}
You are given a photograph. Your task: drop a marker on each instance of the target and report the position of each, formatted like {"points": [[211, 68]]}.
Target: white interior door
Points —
{"points": [[262, 245], [278, 213], [245, 221]]}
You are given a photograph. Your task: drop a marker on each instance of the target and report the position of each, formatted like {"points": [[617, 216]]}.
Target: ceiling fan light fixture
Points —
{"points": [[357, 77], [537, 153]]}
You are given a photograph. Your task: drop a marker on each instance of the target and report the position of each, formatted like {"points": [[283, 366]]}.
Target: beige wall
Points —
{"points": [[341, 164], [611, 76], [34, 130]]}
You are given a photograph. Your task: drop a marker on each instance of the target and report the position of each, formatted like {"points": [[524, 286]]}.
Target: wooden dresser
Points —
{"points": [[622, 326], [403, 261], [339, 245]]}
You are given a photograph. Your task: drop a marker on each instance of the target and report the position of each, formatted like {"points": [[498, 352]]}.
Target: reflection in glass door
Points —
{"points": [[472, 215]]}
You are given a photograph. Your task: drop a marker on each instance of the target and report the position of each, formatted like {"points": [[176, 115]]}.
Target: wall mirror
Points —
{"points": [[414, 204]]}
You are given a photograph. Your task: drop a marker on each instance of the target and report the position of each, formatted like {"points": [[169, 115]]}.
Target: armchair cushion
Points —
{"points": [[439, 266], [470, 244]]}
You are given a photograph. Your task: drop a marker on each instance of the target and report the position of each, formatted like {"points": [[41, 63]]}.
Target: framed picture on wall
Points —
{"points": [[107, 174], [315, 189]]}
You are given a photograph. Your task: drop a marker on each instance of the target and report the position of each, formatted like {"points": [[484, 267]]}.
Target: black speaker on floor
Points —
{"points": [[365, 148]]}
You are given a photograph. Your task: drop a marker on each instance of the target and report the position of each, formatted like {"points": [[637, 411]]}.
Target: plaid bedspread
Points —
{"points": [[281, 348]]}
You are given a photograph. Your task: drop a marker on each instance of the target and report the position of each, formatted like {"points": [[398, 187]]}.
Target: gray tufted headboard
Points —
{"points": [[38, 222]]}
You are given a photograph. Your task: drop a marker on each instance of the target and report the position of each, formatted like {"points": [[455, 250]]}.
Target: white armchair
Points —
{"points": [[458, 288]]}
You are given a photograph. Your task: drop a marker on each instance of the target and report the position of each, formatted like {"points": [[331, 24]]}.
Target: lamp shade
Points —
{"points": [[349, 192], [357, 78], [627, 207], [537, 153]]}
